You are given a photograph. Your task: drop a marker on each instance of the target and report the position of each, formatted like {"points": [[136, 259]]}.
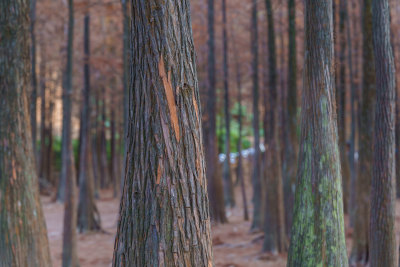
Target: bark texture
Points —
{"points": [[382, 228], [164, 216], [361, 244], [317, 237], [23, 236]]}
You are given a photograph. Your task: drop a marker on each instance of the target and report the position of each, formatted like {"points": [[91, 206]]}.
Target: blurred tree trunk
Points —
{"points": [[33, 97], [361, 244], [164, 218], [256, 175], [383, 248], [341, 91], [239, 169], [317, 237], [42, 83], [229, 192], [274, 222], [69, 254], [88, 215], [23, 236], [215, 188], [291, 139]]}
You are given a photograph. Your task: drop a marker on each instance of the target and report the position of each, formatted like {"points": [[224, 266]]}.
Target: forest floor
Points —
{"points": [[233, 244]]}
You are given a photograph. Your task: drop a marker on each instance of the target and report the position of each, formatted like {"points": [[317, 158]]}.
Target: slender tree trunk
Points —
{"points": [[274, 222], [361, 244], [341, 91], [383, 248], [256, 176], [228, 184], [23, 236], [42, 82], [88, 215], [69, 254], [317, 237], [33, 97], [164, 218], [239, 169], [215, 188], [291, 142]]}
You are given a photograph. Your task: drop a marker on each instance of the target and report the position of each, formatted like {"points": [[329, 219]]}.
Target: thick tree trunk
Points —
{"points": [[361, 244], [215, 188], [88, 215], [291, 139], [341, 91], [23, 236], [69, 255], [256, 175], [317, 237], [228, 184], [383, 248], [164, 217], [274, 220]]}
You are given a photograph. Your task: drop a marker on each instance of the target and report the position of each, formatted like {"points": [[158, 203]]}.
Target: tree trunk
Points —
{"points": [[361, 244], [164, 218], [382, 229], [215, 188], [317, 237], [23, 233], [239, 169], [33, 97], [274, 222], [69, 254], [228, 184], [256, 175], [341, 90], [291, 139], [88, 215]]}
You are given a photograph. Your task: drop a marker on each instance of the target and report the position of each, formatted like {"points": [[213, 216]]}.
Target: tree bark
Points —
{"points": [[23, 233], [215, 188], [317, 237], [361, 244], [164, 217], [382, 228], [256, 175], [88, 215], [274, 222], [69, 254], [229, 192]]}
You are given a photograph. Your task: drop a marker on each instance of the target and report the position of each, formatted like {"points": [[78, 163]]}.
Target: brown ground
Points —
{"points": [[233, 244]]}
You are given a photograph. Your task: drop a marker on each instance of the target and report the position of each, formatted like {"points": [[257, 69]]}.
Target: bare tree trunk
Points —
{"points": [[215, 188], [88, 215], [274, 223], [256, 175], [383, 248], [69, 254], [33, 97], [23, 236], [164, 217], [361, 244], [291, 138], [317, 237], [229, 192]]}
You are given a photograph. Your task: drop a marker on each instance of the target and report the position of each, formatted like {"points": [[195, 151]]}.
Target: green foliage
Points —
{"points": [[247, 130]]}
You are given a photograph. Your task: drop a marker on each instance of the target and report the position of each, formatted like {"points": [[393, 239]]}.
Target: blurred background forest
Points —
{"points": [[249, 61]]}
